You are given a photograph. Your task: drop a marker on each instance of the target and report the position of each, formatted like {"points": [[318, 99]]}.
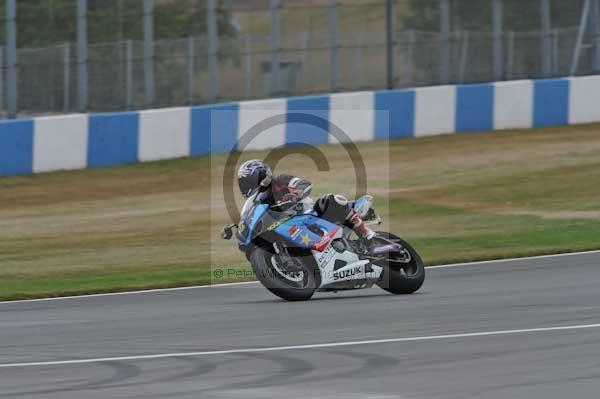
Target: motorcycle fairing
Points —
{"points": [[247, 225], [308, 232], [339, 270], [303, 231], [345, 270]]}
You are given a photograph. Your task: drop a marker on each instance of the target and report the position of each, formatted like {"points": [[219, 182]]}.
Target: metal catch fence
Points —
{"points": [[114, 55]]}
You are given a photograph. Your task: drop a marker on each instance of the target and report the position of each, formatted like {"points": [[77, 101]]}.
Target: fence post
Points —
{"points": [[304, 41], [1, 77], [445, 41], [390, 33], [148, 53], [582, 28], [190, 79], [82, 56], [213, 37], [411, 58], [275, 50], [595, 33], [358, 59], [11, 57], [510, 55], [66, 76], [498, 48], [546, 37], [334, 44], [248, 64], [129, 73], [464, 56], [555, 56]]}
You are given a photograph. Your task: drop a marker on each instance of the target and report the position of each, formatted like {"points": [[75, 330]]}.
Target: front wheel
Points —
{"points": [[401, 278], [298, 284]]}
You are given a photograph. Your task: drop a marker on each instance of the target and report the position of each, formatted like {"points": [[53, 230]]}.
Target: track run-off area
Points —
{"points": [[514, 328]]}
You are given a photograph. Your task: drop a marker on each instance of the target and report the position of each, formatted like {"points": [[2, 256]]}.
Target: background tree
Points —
{"points": [[48, 22], [476, 15]]}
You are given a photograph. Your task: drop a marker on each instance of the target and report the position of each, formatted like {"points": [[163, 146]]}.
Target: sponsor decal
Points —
{"points": [[325, 257], [347, 273], [324, 241], [278, 223], [294, 231], [305, 240]]}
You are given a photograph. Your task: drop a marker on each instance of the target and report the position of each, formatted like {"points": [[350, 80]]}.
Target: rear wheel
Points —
{"points": [[401, 278], [292, 284]]}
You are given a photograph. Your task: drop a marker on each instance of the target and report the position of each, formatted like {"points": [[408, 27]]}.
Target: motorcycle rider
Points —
{"points": [[286, 190]]}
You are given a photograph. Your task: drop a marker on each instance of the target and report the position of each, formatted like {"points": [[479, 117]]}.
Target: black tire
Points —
{"points": [[402, 280], [260, 259]]}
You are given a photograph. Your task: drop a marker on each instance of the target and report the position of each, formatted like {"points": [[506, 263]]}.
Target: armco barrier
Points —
{"points": [[95, 140]]}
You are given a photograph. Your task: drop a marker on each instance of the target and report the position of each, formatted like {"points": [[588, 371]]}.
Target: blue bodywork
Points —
{"points": [[302, 230], [248, 223]]}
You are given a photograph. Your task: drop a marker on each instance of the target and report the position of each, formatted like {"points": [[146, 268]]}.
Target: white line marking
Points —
{"points": [[296, 347], [192, 287], [513, 259], [256, 282]]}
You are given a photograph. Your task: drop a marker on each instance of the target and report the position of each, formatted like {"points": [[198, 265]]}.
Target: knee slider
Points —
{"points": [[340, 200]]}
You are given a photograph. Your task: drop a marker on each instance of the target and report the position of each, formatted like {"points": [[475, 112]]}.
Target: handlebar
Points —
{"points": [[279, 205], [227, 232]]}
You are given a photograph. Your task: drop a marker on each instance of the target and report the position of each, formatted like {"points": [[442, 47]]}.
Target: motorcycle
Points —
{"points": [[294, 253]]}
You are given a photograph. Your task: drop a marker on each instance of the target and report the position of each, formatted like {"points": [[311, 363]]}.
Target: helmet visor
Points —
{"points": [[248, 184]]}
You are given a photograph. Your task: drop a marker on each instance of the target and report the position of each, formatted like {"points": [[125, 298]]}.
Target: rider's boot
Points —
{"points": [[374, 247], [355, 222], [336, 207]]}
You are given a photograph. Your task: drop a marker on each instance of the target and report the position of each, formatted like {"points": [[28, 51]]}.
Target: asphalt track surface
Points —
{"points": [[516, 329]]}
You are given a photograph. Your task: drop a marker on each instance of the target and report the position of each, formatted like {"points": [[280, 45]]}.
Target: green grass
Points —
{"points": [[15, 289], [455, 198], [568, 236]]}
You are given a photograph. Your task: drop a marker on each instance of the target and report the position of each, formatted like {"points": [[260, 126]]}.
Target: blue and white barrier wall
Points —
{"points": [[95, 140]]}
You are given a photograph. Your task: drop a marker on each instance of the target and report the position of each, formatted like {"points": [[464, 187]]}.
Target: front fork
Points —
{"points": [[286, 259]]}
